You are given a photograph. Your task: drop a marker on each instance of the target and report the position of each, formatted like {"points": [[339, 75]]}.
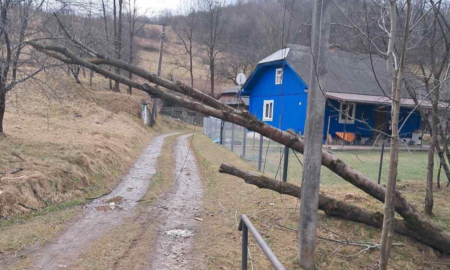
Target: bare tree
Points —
{"points": [[230, 66], [396, 68], [213, 20], [105, 21], [117, 14], [185, 27], [13, 33], [433, 53], [133, 18]]}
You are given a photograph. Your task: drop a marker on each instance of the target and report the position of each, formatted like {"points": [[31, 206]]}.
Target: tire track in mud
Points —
{"points": [[177, 213], [104, 213]]}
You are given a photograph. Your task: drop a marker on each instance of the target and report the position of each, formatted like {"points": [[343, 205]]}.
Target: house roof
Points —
{"points": [[353, 77], [346, 72], [230, 91], [233, 92], [407, 102]]}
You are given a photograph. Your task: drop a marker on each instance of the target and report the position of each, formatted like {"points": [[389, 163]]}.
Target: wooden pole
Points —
{"points": [[314, 134], [286, 163], [386, 123], [161, 51]]}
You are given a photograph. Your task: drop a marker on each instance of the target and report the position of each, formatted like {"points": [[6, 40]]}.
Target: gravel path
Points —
{"points": [[104, 213]]}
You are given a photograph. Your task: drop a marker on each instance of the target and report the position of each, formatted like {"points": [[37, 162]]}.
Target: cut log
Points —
{"points": [[336, 208]]}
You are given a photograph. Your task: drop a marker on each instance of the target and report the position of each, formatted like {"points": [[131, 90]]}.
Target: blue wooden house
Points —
{"points": [[358, 102]]}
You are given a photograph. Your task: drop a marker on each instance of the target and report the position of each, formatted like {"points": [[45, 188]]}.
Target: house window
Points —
{"points": [[279, 76], [268, 110], [347, 113]]}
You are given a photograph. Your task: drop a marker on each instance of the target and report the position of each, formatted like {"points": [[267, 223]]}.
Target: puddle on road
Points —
{"points": [[180, 233], [111, 204], [116, 200]]}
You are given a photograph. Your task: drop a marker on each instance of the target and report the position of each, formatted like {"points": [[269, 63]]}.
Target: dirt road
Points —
{"points": [[179, 214], [102, 214]]}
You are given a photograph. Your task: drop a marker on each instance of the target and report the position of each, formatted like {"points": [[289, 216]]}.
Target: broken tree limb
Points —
{"points": [[331, 206], [414, 220]]}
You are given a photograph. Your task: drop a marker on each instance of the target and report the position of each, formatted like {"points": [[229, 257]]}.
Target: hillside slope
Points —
{"points": [[66, 141]]}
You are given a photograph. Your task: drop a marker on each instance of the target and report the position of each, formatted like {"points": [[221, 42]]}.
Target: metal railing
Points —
{"points": [[245, 225]]}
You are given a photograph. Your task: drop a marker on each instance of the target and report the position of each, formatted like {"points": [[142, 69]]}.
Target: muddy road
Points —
{"points": [[110, 211], [179, 214]]}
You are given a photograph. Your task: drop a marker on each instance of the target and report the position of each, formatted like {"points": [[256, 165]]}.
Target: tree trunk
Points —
{"points": [[2, 108], [130, 56], [430, 166], [75, 70], [387, 233], [130, 60], [117, 38], [191, 66], [211, 70], [313, 135], [105, 21], [91, 75], [130, 89], [331, 206]]}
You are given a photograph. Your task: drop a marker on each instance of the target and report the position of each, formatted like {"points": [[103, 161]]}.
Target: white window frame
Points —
{"points": [[344, 118], [279, 76], [270, 104]]}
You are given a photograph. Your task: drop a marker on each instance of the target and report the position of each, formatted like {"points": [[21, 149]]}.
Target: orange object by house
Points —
{"points": [[347, 136]]}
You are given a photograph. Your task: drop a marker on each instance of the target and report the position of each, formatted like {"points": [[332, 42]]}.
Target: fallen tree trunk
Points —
{"points": [[414, 220], [331, 206]]}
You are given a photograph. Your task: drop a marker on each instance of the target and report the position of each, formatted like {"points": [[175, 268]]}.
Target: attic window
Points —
{"points": [[279, 76], [268, 110], [347, 113]]}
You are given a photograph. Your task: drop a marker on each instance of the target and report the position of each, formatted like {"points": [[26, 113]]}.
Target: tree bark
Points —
{"points": [[212, 71], [105, 21], [2, 108], [321, 23], [191, 64], [430, 166], [130, 58], [117, 37]]}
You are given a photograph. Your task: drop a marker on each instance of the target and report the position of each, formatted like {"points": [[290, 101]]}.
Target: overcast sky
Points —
{"points": [[159, 5]]}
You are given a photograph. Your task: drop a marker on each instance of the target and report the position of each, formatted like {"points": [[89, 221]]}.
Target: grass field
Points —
{"points": [[412, 164]]}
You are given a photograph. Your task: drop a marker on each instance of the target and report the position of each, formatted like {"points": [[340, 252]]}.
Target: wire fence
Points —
{"points": [[271, 158]]}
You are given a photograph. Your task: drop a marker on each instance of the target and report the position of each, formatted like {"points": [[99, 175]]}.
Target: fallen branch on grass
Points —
{"points": [[346, 242], [331, 206], [27, 207], [18, 170], [18, 156]]}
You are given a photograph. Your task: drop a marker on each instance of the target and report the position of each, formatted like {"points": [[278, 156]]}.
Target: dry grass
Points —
{"points": [[227, 197], [20, 233]]}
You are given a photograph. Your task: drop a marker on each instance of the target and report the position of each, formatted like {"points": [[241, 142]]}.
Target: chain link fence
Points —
{"points": [[269, 157]]}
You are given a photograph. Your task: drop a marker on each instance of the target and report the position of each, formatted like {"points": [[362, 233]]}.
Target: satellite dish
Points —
{"points": [[240, 79]]}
